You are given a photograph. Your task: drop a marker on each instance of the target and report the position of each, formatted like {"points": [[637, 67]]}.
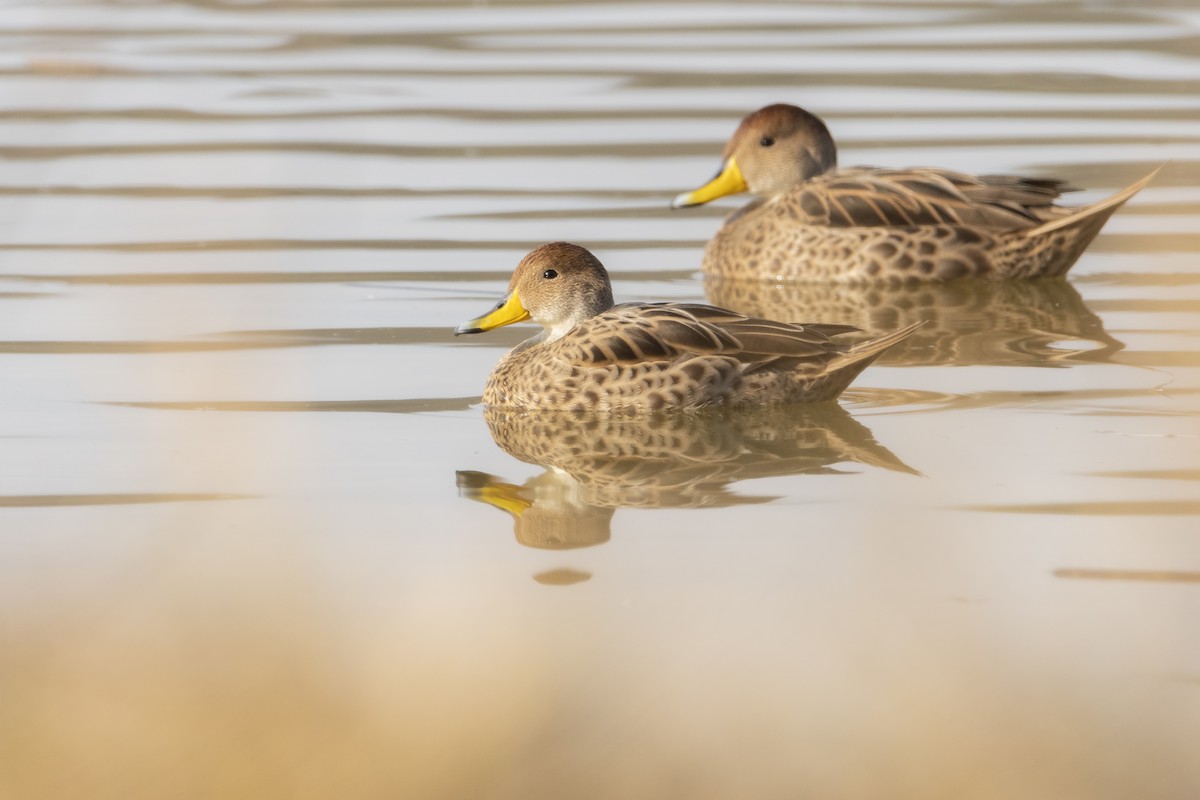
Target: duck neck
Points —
{"points": [[594, 300], [548, 334]]}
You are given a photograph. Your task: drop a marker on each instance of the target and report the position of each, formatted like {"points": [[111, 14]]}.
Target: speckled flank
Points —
{"points": [[527, 379]]}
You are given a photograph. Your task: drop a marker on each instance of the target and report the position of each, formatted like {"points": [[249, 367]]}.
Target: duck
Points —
{"points": [[811, 221], [594, 355]]}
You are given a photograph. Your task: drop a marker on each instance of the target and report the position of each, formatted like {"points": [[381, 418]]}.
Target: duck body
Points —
{"points": [[813, 221], [655, 356], [644, 357]]}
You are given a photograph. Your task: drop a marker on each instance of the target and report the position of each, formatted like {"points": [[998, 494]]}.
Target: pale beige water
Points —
{"points": [[238, 551]]}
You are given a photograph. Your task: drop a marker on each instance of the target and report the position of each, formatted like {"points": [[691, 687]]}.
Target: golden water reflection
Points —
{"points": [[1038, 322], [595, 464]]}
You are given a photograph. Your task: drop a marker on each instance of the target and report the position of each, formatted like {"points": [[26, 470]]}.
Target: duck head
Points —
{"points": [[773, 151], [557, 285]]}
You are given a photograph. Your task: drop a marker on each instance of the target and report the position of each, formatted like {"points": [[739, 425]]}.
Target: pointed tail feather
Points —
{"points": [[1097, 212], [845, 368], [1050, 249], [871, 350]]}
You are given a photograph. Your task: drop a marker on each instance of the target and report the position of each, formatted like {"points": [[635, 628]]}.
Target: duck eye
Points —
{"points": [[766, 141], [548, 274]]}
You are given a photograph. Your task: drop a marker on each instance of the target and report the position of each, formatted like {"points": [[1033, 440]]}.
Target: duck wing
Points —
{"points": [[634, 333], [870, 197]]}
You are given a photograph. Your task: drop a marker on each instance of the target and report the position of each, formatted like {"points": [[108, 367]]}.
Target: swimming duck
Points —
{"points": [[593, 355], [813, 221]]}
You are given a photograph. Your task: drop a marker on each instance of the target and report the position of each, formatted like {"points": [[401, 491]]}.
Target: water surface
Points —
{"points": [[241, 550]]}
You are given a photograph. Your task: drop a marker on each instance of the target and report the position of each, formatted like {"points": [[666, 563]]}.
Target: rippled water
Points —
{"points": [[239, 550]]}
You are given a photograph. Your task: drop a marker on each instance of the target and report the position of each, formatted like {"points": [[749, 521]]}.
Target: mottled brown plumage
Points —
{"points": [[813, 221], [593, 355]]}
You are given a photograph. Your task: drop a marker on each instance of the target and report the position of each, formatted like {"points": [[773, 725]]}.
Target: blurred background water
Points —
{"points": [[239, 553]]}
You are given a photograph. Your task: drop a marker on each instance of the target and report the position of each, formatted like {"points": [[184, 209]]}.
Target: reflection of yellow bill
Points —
{"points": [[728, 181], [507, 312], [487, 489], [505, 496]]}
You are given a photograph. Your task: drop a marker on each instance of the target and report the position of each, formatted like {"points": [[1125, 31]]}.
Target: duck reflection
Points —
{"points": [[1024, 323], [595, 464]]}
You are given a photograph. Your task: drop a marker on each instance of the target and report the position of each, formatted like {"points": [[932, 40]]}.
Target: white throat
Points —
{"points": [[557, 331]]}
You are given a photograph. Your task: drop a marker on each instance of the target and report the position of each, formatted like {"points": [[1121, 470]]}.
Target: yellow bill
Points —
{"points": [[506, 312], [728, 181]]}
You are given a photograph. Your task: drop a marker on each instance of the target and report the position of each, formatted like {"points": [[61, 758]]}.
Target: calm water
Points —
{"points": [[241, 553]]}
